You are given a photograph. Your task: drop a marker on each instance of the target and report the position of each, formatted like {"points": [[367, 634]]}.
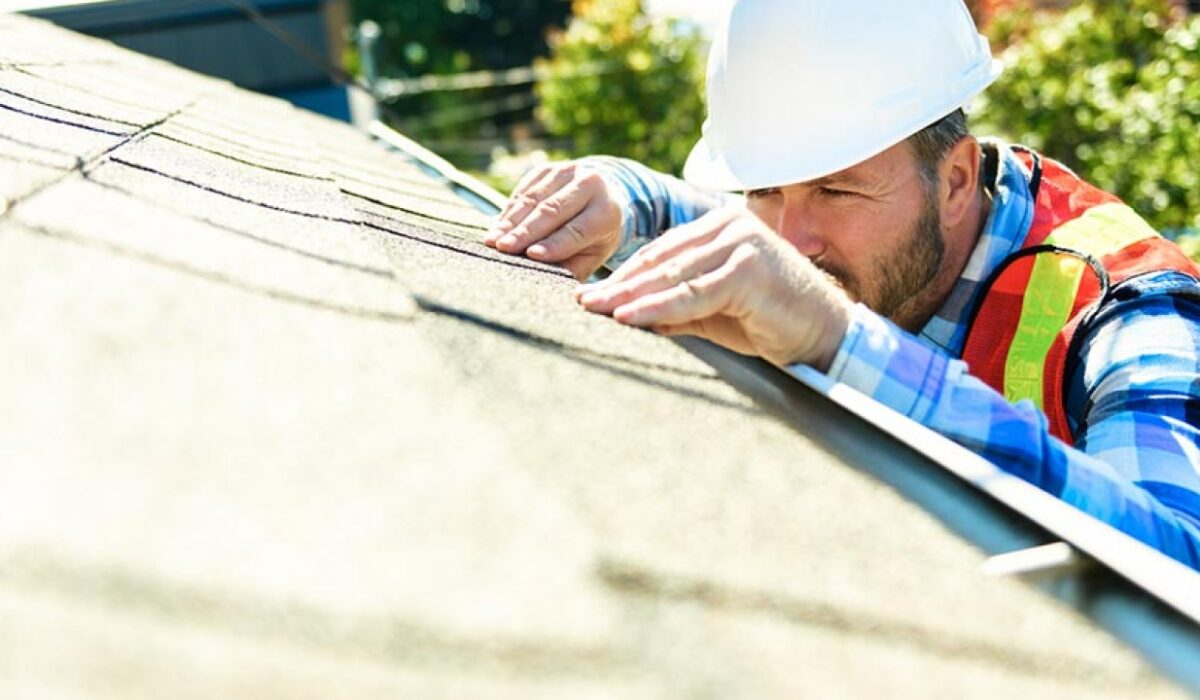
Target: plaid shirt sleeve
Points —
{"points": [[1137, 461], [651, 202]]}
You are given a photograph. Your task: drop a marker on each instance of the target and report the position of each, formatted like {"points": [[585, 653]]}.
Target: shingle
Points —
{"points": [[40, 43], [207, 171], [24, 170], [59, 133], [131, 89], [443, 234], [527, 301], [113, 220], [460, 215], [261, 125], [358, 159], [256, 154], [73, 101], [342, 243], [291, 449], [57, 112], [731, 654], [118, 655]]}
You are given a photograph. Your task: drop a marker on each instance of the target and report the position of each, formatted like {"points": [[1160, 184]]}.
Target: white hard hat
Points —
{"points": [[800, 89]]}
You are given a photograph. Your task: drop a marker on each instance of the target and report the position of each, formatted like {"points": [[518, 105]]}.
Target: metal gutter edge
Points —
{"points": [[486, 198], [1140, 595]]}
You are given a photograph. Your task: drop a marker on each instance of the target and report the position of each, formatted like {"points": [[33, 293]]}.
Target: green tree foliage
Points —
{"points": [[421, 37], [621, 83], [1112, 88], [446, 36]]}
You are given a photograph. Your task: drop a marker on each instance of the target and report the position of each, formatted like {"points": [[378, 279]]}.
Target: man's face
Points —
{"points": [[874, 227]]}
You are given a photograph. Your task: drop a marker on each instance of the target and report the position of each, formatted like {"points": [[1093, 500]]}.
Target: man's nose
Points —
{"points": [[797, 226]]}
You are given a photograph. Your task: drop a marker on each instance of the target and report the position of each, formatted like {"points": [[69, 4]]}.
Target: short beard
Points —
{"points": [[906, 275]]}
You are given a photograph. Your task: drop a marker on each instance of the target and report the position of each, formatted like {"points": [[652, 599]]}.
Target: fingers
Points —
{"points": [[682, 306], [520, 202], [583, 265], [668, 246], [543, 199], [686, 268], [575, 235]]}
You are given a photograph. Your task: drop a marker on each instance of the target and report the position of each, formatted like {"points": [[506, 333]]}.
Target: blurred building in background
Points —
{"points": [[221, 38]]}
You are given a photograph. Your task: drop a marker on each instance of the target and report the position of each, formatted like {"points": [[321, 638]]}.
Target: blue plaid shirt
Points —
{"points": [[1135, 396]]}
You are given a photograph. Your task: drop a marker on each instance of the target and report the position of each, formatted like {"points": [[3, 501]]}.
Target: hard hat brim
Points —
{"points": [[709, 168]]}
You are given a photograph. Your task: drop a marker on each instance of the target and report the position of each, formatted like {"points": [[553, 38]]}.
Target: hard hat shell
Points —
{"points": [[800, 89]]}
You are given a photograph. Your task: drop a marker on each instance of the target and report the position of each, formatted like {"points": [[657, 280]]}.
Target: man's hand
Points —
{"points": [[728, 278], [560, 214]]}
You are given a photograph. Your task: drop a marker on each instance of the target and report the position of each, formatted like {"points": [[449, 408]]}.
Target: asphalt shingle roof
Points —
{"points": [[277, 424]]}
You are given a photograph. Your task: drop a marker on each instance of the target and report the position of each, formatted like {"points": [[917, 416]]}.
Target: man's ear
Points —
{"points": [[960, 173]]}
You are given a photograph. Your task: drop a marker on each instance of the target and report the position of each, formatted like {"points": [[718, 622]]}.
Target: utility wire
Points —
{"points": [[388, 90], [473, 112], [302, 48], [393, 88]]}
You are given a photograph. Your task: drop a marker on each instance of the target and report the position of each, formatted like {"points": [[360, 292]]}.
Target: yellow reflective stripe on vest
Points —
{"points": [[1053, 286], [1045, 309], [1102, 230]]}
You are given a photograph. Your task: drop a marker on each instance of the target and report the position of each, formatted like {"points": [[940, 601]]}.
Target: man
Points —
{"points": [[883, 244]]}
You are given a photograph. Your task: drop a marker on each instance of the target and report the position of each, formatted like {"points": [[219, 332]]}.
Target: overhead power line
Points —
{"points": [[392, 88], [387, 90], [472, 112]]}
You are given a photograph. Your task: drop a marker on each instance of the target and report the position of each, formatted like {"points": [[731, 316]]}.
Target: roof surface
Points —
{"points": [[277, 424]]}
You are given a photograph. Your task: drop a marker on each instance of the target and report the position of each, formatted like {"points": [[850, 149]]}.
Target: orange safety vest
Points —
{"points": [[1083, 242]]}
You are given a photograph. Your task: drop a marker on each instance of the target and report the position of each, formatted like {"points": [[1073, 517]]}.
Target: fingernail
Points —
{"points": [[537, 250], [592, 297], [507, 240]]}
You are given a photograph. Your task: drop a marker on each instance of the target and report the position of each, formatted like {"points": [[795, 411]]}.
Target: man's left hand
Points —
{"points": [[728, 278]]}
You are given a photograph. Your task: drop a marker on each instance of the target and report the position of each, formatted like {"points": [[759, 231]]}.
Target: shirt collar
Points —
{"points": [[1002, 234]]}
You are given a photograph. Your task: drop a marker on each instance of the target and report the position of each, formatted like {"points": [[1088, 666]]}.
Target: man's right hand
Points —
{"points": [[561, 214]]}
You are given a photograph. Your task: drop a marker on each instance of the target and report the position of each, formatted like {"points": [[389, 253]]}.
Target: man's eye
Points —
{"points": [[836, 194], [765, 192]]}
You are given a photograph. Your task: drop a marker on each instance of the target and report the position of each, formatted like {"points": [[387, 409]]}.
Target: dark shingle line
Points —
{"points": [[513, 262], [635, 580], [226, 280], [374, 271], [86, 90], [432, 186], [81, 165], [254, 137], [414, 212], [66, 122], [72, 110], [324, 217], [230, 195], [33, 161], [414, 173], [384, 637], [40, 147], [243, 161], [238, 144], [406, 171], [592, 358]]}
